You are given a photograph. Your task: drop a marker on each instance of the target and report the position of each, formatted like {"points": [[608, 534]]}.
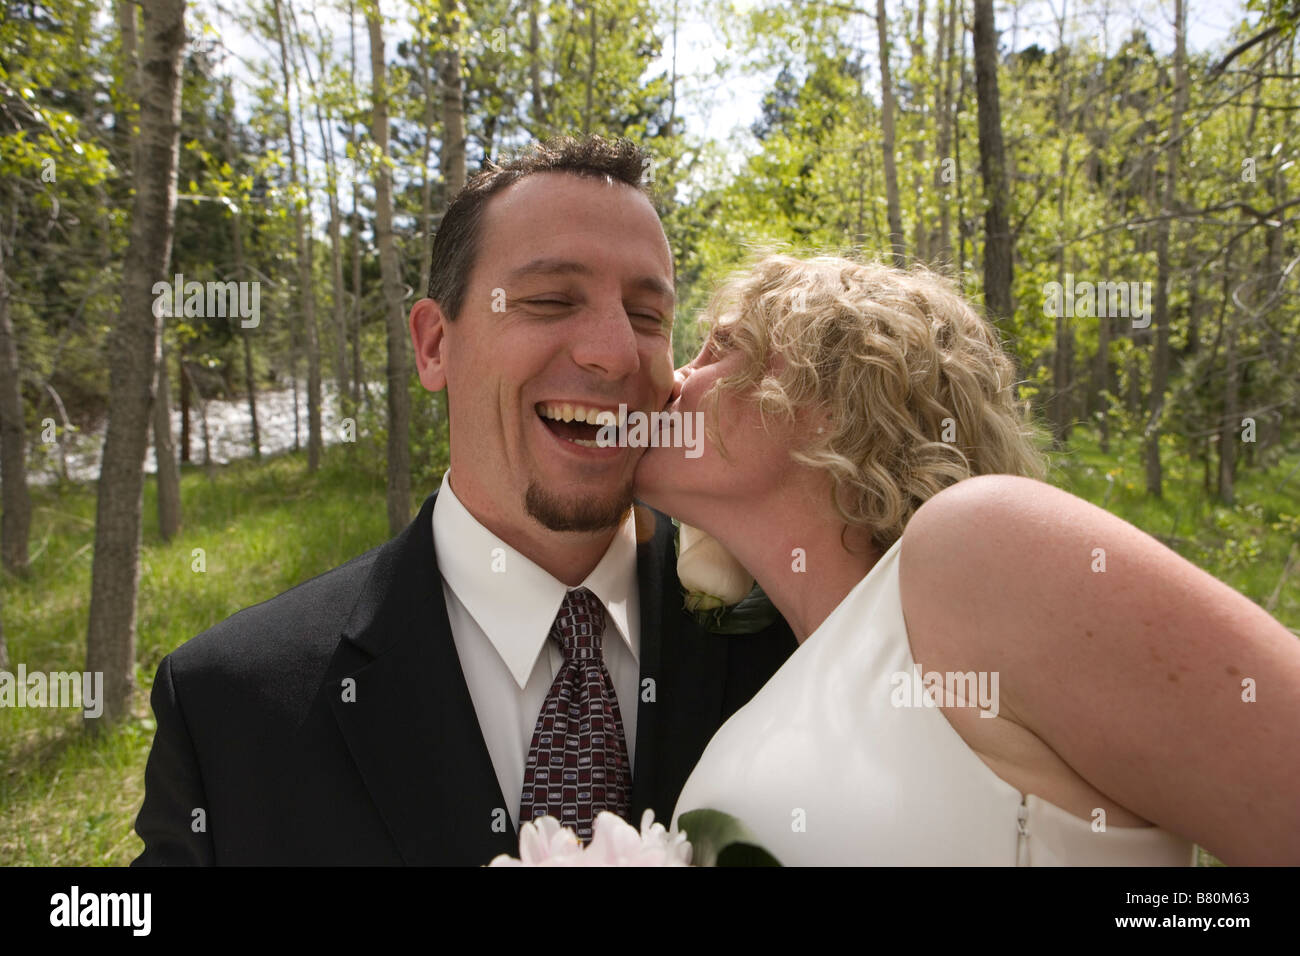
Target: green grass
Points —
{"points": [[67, 799]]}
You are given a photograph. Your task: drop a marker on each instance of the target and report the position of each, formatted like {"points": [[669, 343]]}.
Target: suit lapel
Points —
{"points": [[414, 734], [688, 670], [412, 729]]}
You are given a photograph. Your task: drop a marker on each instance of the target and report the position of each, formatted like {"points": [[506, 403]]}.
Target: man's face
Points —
{"points": [[567, 312]]}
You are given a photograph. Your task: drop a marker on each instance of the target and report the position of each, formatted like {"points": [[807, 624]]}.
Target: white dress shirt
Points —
{"points": [[501, 607]]}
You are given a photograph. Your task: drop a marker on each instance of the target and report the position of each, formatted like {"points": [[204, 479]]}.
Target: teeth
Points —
{"points": [[568, 412]]}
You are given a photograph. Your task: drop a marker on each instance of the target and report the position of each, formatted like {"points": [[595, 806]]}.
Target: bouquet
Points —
{"points": [[719, 840]]}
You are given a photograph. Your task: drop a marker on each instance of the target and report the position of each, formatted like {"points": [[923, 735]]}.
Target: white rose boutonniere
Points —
{"points": [[711, 576], [720, 592]]}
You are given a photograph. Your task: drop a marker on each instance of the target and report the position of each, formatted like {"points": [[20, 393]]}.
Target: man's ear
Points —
{"points": [[428, 328]]}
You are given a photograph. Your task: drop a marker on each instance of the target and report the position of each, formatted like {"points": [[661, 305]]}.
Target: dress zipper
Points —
{"points": [[1022, 841]]}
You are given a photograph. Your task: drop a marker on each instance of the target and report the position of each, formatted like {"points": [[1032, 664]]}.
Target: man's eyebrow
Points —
{"points": [[551, 267], [657, 286]]}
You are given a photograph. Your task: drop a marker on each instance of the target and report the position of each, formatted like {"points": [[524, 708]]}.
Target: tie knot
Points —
{"points": [[579, 625]]}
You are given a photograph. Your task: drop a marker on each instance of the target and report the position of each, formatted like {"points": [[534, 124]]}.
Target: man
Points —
{"points": [[519, 648]]}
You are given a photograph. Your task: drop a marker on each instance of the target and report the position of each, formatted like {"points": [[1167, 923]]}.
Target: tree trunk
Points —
{"points": [[340, 306], [354, 325], [302, 232], [67, 429], [167, 471], [183, 386], [1229, 430], [429, 117], [130, 72], [399, 362], [164, 452], [133, 359], [591, 66], [15, 523], [538, 105], [1061, 412], [917, 69], [453, 103], [1103, 380], [250, 376], [250, 386], [1160, 357], [208, 464], [965, 228], [452, 159], [997, 226], [944, 167], [336, 242], [1101, 372], [896, 241]]}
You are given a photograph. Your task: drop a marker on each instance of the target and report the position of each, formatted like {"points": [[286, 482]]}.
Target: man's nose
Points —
{"points": [[607, 343]]}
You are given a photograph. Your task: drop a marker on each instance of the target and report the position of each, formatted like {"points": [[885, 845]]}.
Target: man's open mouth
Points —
{"points": [[579, 424]]}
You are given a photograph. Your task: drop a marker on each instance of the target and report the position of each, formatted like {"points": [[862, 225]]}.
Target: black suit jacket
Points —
{"points": [[258, 757]]}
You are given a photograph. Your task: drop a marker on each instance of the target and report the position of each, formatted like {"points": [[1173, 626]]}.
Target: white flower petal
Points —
{"points": [[533, 846], [707, 570]]}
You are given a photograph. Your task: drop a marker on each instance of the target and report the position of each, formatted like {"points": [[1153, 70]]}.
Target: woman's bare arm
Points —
{"points": [[1161, 686]]}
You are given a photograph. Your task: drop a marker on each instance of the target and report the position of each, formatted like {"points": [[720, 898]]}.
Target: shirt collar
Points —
{"points": [[481, 570]]}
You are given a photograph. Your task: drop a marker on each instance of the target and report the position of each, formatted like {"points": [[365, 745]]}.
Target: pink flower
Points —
{"points": [[544, 842]]}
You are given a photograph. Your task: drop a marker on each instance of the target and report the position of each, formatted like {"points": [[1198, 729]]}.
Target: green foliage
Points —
{"points": [[1246, 546], [59, 228], [1087, 145], [719, 839]]}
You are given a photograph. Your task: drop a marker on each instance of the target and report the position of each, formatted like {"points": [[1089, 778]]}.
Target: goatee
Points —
{"points": [[583, 514]]}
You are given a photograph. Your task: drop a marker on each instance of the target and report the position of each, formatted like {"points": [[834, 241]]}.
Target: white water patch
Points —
{"points": [[229, 431]]}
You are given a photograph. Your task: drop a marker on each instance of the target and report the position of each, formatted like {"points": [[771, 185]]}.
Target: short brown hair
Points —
{"points": [[455, 246]]}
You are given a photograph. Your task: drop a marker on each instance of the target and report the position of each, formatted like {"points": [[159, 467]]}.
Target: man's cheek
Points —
{"points": [[661, 378]]}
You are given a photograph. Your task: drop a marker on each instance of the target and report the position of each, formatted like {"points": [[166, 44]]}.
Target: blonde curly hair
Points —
{"points": [[897, 360]]}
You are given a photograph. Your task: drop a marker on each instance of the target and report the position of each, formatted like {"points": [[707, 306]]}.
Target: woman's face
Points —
{"points": [[757, 460]]}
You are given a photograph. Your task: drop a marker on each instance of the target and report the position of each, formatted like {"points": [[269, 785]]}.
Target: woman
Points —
{"points": [[990, 670]]}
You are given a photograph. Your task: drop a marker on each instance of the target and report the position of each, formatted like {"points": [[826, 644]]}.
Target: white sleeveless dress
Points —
{"points": [[825, 770]]}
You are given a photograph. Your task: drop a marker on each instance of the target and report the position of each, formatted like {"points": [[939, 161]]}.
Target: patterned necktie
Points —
{"points": [[577, 763]]}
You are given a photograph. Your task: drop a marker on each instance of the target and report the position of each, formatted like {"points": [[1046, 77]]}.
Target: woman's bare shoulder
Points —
{"points": [[1134, 665]]}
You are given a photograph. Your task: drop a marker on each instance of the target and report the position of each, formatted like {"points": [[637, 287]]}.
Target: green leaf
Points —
{"points": [[719, 839], [753, 614]]}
